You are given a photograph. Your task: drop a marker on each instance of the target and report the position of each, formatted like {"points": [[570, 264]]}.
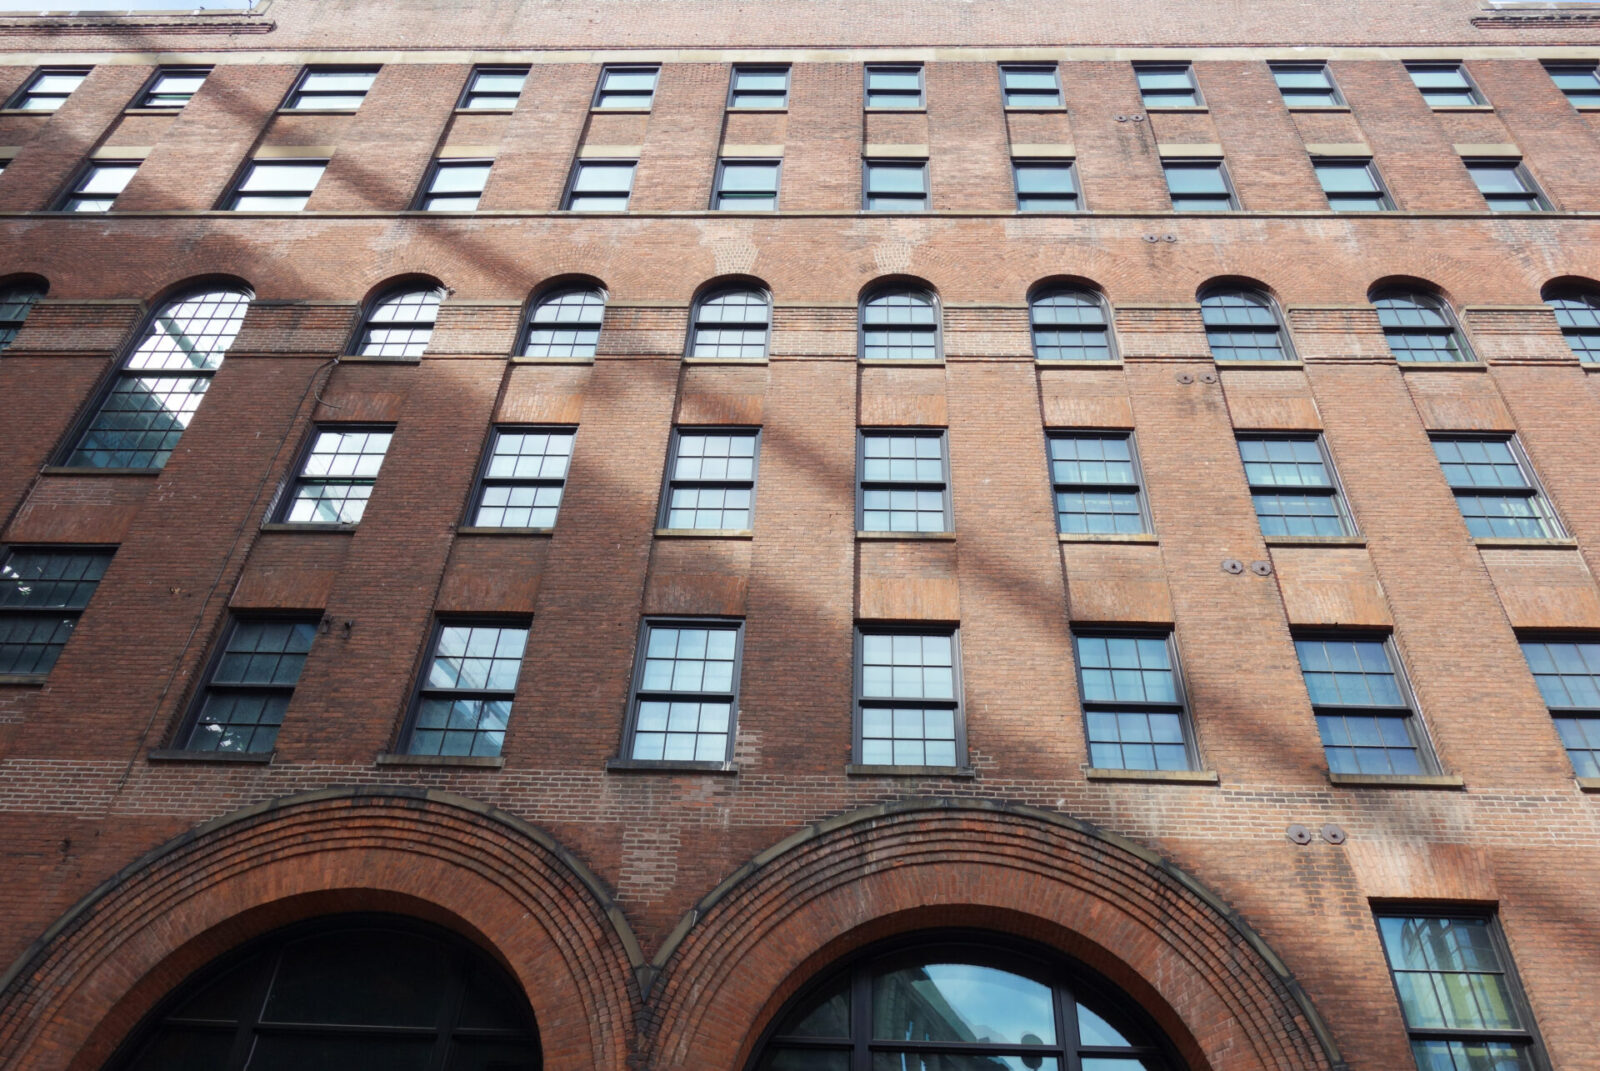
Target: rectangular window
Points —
{"points": [[1199, 186], [1579, 81], [336, 475], [173, 87], [896, 185], [1352, 185], [1568, 675], [759, 88], [42, 592], [746, 186], [1030, 85], [626, 87], [894, 86], [1293, 486], [494, 88], [276, 185], [600, 186], [1506, 185], [523, 477], [1167, 85], [711, 479], [1463, 1004], [1444, 85], [908, 698], [455, 185], [248, 686], [340, 89], [1046, 186], [1495, 487], [468, 682], [685, 691], [1095, 477], [97, 186], [1306, 85], [1365, 713], [904, 482], [48, 89], [1133, 703]]}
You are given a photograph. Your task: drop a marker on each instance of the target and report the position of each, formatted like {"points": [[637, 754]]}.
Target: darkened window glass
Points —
{"points": [[15, 302], [1459, 993], [894, 86], [601, 186], [900, 325], [711, 479], [1568, 675], [685, 691], [904, 483], [1352, 186], [565, 323], [399, 324], [1444, 84], [173, 87], [746, 185], [1070, 325], [97, 186], [276, 185], [494, 88], [1306, 85], [159, 386], [1292, 485], [1506, 185], [337, 475], [626, 87], [464, 696], [1363, 707], [731, 324], [1244, 325], [896, 185], [1199, 186], [1578, 313], [1496, 489], [1046, 186], [523, 478], [1579, 81], [759, 87], [48, 89], [1030, 85], [1095, 478], [42, 592], [455, 185], [1420, 327], [241, 704], [332, 88], [909, 700], [1133, 704], [1167, 85]]}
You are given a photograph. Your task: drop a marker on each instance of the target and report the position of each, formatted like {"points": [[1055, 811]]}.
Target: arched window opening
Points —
{"points": [[15, 301], [155, 393], [1244, 325], [731, 323], [565, 323], [1578, 313], [1070, 325], [901, 324], [1420, 327], [962, 1004], [340, 995], [399, 324]]}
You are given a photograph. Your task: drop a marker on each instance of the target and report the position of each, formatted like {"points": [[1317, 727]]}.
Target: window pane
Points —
{"points": [[961, 1002], [566, 323]]}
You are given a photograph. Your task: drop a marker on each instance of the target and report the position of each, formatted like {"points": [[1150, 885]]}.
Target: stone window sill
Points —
{"points": [[1158, 109], [481, 762], [1396, 780], [909, 362], [932, 537], [1319, 107], [727, 360], [895, 111], [482, 111], [1177, 777], [474, 530], [301, 526], [1296, 363], [317, 111], [24, 680], [1112, 362], [362, 358], [1442, 366], [674, 766], [552, 360], [1036, 108], [704, 533], [859, 770], [1553, 543], [1106, 537], [1316, 541], [226, 758], [1463, 107], [1589, 784], [84, 470]]}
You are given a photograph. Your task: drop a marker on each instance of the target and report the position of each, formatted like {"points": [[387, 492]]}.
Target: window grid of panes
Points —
{"points": [[1030, 85], [895, 185], [523, 478], [1495, 487], [15, 303], [400, 324], [1070, 325], [565, 324], [494, 88], [1095, 480], [98, 185], [277, 185], [1133, 705], [1242, 325], [686, 691], [746, 185], [909, 704], [1352, 185], [465, 694], [626, 87], [1306, 85], [1506, 185], [173, 87], [42, 592], [600, 186], [1462, 1004], [1046, 186], [1579, 81], [894, 86], [332, 89], [455, 185], [731, 324], [1293, 488], [160, 384], [759, 88], [900, 325], [48, 89], [1167, 85], [904, 483], [711, 479], [337, 476], [1199, 186], [242, 704], [1568, 675], [1444, 85], [1363, 708], [1418, 327], [1578, 314]]}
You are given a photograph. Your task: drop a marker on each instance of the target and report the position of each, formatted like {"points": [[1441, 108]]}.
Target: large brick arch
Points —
{"points": [[1211, 983], [73, 996]]}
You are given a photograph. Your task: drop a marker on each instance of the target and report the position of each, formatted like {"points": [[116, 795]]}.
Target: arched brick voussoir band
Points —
{"points": [[73, 996], [1227, 1002]]}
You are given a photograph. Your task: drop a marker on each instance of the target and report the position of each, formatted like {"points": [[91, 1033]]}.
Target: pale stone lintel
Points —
{"points": [[469, 152], [1472, 148], [121, 152], [1339, 148], [752, 151], [1022, 151], [608, 152], [884, 148], [9, 151], [1207, 148], [294, 152]]}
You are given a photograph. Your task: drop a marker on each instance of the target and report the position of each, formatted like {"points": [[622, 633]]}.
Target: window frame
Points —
{"points": [[1478, 99], [287, 494], [1045, 290], [1590, 298], [902, 163], [881, 431], [630, 728], [88, 170], [577, 172], [958, 686], [439, 165], [712, 292], [1574, 712], [420, 689], [1261, 299], [1463, 345], [147, 91], [236, 191], [597, 101], [1036, 163], [1054, 70], [1193, 162], [669, 481], [24, 292], [1570, 67], [1185, 712], [291, 102], [1290, 66], [1341, 501], [1052, 433], [1544, 506], [768, 68], [884, 290], [360, 337], [777, 181], [26, 92], [1531, 190], [867, 70], [1416, 727], [550, 292], [481, 480], [9, 550], [1369, 165], [183, 739], [1186, 67], [464, 102]]}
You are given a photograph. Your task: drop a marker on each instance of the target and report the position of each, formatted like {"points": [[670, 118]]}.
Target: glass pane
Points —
{"points": [[300, 1052], [961, 1002], [827, 1017], [806, 1060], [366, 978]]}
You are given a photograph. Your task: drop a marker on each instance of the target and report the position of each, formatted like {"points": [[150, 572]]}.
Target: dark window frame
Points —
{"points": [[1416, 727], [1576, 67], [1531, 190], [420, 689], [1544, 505], [669, 481], [481, 479], [903, 163], [862, 702], [1478, 99], [1046, 290], [8, 550], [597, 101], [75, 190], [298, 92], [637, 694], [1181, 707], [1053, 69], [284, 501], [551, 293], [1341, 501], [1320, 66], [763, 68], [1574, 712], [1368, 164], [361, 336], [464, 102], [1147, 523], [236, 191], [441, 164], [1589, 297], [147, 91], [1193, 163], [1261, 299], [577, 171], [1463, 346], [1036, 163], [878, 431], [26, 91], [713, 292], [1187, 69], [183, 739], [777, 181], [909, 288], [867, 70], [23, 293]]}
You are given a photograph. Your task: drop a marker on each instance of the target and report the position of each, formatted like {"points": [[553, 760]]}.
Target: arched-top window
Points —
{"points": [[1070, 324], [731, 323], [565, 323], [900, 324], [962, 1003], [15, 301], [1244, 325], [1420, 327], [351, 992], [157, 389], [399, 323], [1578, 312]]}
